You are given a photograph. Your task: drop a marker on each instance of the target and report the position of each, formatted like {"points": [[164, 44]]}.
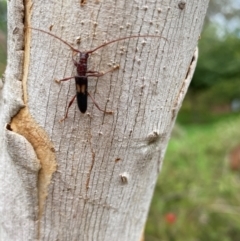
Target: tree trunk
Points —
{"points": [[92, 176]]}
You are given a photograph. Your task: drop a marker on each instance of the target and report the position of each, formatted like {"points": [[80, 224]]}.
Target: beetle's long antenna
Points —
{"points": [[70, 46], [119, 39]]}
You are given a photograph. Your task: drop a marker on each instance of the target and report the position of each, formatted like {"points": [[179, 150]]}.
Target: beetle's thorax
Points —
{"points": [[82, 64]]}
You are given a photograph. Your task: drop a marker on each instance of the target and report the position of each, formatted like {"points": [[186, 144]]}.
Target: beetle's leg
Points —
{"points": [[69, 105], [95, 103], [93, 72], [65, 79]]}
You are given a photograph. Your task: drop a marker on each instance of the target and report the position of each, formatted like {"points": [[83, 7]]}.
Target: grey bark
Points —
{"points": [[91, 177]]}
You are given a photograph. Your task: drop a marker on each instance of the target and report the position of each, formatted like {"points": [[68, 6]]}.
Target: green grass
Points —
{"points": [[197, 185], [3, 34]]}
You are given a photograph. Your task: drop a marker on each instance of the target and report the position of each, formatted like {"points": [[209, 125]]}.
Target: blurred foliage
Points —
{"points": [[3, 33], [197, 186], [3, 16], [219, 59], [216, 81], [229, 8]]}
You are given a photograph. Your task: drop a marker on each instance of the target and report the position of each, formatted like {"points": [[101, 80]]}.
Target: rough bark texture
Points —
{"points": [[91, 177]]}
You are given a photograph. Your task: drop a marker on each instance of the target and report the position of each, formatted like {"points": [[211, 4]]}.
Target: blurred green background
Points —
{"points": [[3, 36], [197, 196]]}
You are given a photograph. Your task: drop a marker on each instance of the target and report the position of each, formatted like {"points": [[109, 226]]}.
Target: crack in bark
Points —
{"points": [[92, 164], [185, 84]]}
